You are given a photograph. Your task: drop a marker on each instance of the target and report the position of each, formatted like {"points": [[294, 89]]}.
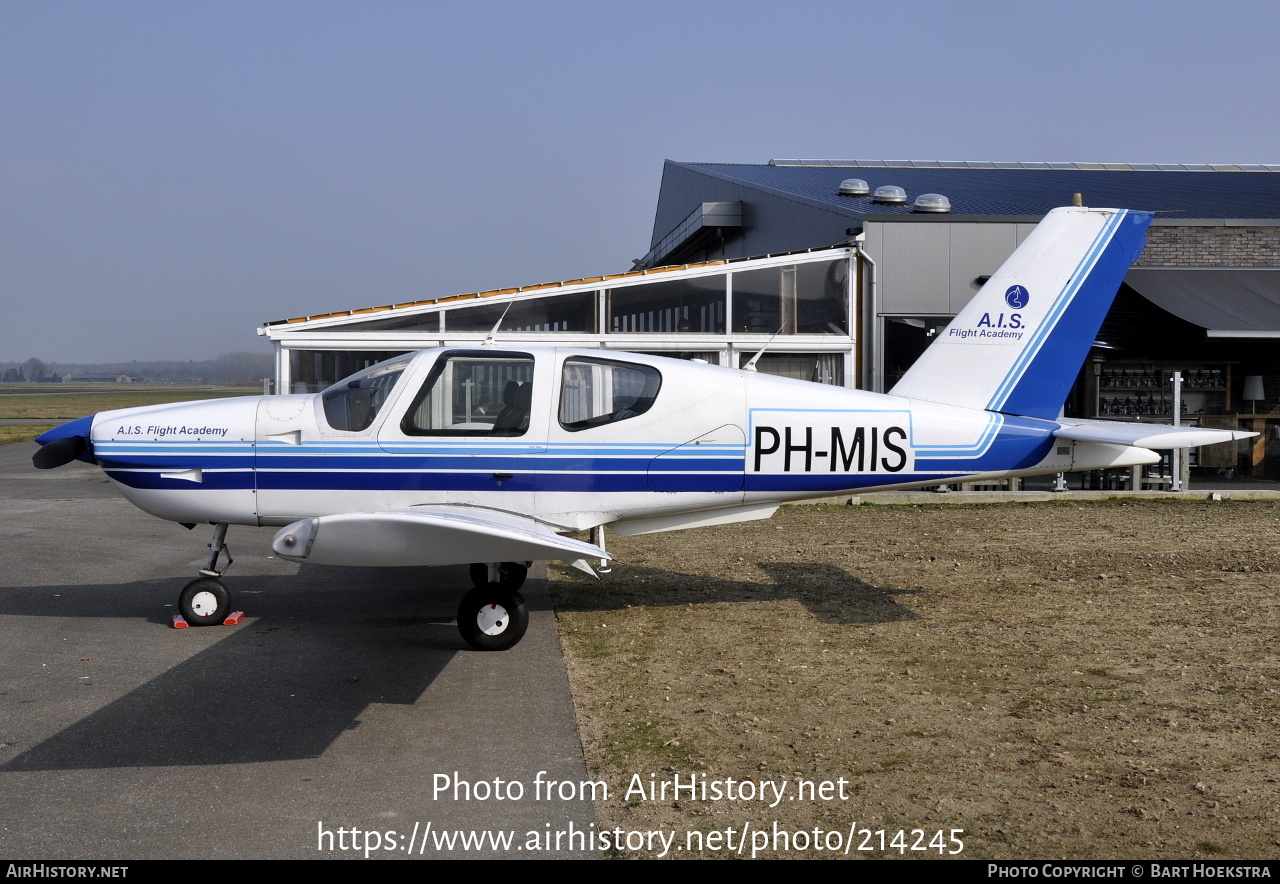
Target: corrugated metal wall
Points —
{"points": [[931, 268]]}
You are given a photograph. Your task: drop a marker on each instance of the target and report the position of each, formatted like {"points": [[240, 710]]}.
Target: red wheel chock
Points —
{"points": [[232, 619]]}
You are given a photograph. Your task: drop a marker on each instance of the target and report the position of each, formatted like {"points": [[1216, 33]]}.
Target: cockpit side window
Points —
{"points": [[352, 404], [474, 394], [595, 392]]}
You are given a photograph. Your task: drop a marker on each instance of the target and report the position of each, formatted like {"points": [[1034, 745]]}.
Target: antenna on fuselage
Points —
{"points": [[751, 363], [491, 339]]}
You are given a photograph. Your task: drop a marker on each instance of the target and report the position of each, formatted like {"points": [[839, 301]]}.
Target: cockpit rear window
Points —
{"points": [[352, 403], [595, 392]]}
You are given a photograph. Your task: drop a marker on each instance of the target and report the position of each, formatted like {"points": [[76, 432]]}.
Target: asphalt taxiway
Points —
{"points": [[335, 704]]}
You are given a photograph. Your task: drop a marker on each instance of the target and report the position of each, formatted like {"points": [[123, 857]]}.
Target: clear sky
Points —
{"points": [[173, 174]]}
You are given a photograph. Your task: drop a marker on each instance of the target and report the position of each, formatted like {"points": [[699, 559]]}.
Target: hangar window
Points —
{"points": [[562, 313], [820, 368], [353, 403], [314, 370], [425, 322], [595, 392], [796, 299], [669, 306], [474, 394]]}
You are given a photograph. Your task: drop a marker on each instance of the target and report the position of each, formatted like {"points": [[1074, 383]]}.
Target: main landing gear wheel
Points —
{"points": [[511, 575], [491, 618], [204, 602]]}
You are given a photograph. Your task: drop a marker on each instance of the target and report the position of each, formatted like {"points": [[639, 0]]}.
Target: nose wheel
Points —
{"points": [[492, 618], [204, 602]]}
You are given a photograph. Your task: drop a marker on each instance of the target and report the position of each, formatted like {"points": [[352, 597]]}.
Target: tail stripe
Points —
{"points": [[1060, 305], [977, 449]]}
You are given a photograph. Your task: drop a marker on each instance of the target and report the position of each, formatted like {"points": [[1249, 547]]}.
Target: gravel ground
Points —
{"points": [[1055, 679]]}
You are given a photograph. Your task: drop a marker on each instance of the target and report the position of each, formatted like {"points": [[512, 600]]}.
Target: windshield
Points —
{"points": [[352, 404]]}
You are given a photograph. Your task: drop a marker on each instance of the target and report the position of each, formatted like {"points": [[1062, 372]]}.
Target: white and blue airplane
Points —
{"points": [[490, 456]]}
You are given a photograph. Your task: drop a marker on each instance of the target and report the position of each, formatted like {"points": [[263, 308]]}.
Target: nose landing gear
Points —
{"points": [[205, 601]]}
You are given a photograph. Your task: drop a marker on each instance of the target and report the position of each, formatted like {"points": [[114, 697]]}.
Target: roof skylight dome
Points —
{"points": [[931, 202]]}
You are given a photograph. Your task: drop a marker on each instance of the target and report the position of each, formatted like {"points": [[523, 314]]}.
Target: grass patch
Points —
{"points": [[71, 405], [20, 434], [635, 742], [745, 644]]}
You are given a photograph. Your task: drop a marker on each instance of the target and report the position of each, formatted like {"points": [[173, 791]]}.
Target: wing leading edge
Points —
{"points": [[426, 536]]}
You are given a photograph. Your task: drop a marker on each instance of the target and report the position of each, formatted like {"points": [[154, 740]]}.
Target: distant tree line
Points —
{"points": [[31, 370], [228, 368]]}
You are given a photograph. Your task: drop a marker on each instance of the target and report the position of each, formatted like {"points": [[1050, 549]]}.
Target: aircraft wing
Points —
{"points": [[427, 535], [1155, 436]]}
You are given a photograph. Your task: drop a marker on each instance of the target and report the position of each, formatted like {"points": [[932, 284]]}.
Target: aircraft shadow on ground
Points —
{"points": [[831, 594], [322, 645]]}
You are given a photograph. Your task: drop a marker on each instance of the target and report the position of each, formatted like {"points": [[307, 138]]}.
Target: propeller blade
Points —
{"points": [[58, 452]]}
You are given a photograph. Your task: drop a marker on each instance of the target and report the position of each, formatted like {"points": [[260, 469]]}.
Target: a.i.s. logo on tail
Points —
{"points": [[999, 326]]}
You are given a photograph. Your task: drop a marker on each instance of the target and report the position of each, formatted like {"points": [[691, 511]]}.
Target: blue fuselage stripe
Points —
{"points": [[1018, 443]]}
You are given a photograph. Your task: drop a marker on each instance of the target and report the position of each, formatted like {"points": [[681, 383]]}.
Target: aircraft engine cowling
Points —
{"points": [[186, 462]]}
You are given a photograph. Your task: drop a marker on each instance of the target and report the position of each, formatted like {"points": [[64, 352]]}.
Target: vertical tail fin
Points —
{"points": [[1018, 345]]}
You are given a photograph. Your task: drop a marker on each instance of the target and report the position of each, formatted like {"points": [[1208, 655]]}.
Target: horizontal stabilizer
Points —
{"points": [[701, 519], [426, 536], [1153, 436]]}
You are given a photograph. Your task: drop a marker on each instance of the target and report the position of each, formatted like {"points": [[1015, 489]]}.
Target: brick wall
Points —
{"points": [[1212, 247]]}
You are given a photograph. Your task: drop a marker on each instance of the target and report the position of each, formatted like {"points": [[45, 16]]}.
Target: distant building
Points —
{"points": [[101, 379]]}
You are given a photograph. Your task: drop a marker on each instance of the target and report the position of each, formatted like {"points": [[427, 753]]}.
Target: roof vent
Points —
{"points": [[889, 193], [854, 187], [931, 202]]}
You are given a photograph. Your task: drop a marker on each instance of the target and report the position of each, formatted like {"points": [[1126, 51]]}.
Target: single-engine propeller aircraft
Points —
{"points": [[413, 462]]}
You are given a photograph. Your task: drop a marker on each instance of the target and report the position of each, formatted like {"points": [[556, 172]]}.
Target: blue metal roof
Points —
{"points": [[1172, 192]]}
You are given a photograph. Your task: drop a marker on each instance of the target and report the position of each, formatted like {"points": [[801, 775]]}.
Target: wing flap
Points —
{"points": [[426, 536], [1153, 436]]}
